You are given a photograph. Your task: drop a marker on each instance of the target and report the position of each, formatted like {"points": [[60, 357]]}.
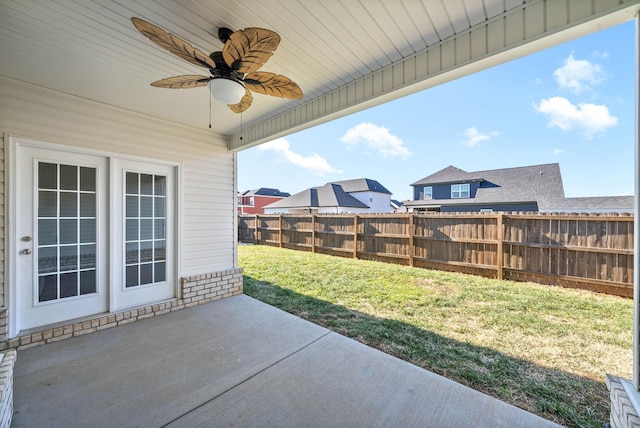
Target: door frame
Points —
{"points": [[12, 146]]}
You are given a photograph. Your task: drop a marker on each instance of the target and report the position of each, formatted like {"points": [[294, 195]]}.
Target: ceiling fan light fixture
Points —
{"points": [[227, 90]]}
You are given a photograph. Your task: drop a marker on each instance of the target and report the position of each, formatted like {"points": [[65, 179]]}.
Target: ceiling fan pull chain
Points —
{"points": [[208, 85], [240, 126]]}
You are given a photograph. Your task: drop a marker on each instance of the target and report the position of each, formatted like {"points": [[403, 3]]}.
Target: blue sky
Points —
{"points": [[572, 104]]}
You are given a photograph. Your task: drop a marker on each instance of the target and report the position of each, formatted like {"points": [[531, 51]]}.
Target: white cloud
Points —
{"points": [[579, 75], [588, 118], [378, 139], [473, 137], [557, 151], [313, 162]]}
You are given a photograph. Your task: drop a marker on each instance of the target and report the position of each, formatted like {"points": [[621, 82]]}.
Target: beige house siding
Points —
{"points": [[206, 186]]}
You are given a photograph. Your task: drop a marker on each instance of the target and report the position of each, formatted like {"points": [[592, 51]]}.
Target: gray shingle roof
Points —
{"points": [[362, 185], [593, 203], [329, 195], [266, 191]]}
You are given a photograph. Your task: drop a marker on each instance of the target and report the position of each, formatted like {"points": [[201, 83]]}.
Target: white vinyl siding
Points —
{"points": [[207, 182]]}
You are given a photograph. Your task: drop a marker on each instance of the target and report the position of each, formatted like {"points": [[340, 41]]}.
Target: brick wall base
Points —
{"points": [[6, 388], [623, 412], [195, 290]]}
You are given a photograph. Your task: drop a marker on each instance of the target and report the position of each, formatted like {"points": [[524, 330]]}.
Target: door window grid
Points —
{"points": [[66, 208], [145, 229]]}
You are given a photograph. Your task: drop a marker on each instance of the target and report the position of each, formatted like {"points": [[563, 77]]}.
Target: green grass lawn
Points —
{"points": [[544, 349]]}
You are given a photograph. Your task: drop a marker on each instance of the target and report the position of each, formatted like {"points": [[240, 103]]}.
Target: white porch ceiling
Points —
{"points": [[346, 55]]}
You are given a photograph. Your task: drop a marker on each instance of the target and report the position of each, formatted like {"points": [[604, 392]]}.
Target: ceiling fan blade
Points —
{"points": [[244, 103], [173, 44], [273, 84], [247, 50], [182, 82]]}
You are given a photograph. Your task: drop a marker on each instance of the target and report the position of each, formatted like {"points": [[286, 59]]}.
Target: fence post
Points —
{"points": [[355, 236], [280, 231], [499, 247], [313, 233], [411, 233], [255, 233]]}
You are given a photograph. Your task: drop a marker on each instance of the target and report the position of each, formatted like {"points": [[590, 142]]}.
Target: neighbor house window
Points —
{"points": [[428, 192], [459, 191]]}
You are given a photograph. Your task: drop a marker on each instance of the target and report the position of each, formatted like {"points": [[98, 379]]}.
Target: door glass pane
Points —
{"points": [[159, 229], [68, 258], [159, 206], [47, 259], [87, 205], [66, 231], [146, 273], [131, 233], [68, 177], [132, 276], [159, 272], [132, 183], [131, 209], [47, 232], [47, 175], [160, 183], [88, 282], [87, 230], [146, 251], [132, 256], [68, 284], [146, 184], [47, 288], [159, 250], [47, 204], [87, 256], [145, 229], [88, 179], [146, 206], [68, 204]]}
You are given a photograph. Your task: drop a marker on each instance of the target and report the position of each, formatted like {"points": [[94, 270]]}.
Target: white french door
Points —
{"points": [[62, 231], [142, 220], [93, 234]]}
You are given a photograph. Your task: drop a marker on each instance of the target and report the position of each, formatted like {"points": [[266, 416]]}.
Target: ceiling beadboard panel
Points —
{"points": [[340, 52]]}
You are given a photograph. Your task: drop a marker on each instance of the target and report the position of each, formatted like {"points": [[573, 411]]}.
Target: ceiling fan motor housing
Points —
{"points": [[224, 34]]}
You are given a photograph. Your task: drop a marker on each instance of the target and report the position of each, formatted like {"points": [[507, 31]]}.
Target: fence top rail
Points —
{"points": [[573, 216], [613, 216]]}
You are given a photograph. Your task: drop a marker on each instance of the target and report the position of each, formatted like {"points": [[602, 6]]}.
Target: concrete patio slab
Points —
{"points": [[238, 362]]}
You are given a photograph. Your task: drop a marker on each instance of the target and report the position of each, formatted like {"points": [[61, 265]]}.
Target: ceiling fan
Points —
{"points": [[234, 70]]}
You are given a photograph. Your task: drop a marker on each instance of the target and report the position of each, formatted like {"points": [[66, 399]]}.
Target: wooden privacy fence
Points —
{"points": [[587, 251]]}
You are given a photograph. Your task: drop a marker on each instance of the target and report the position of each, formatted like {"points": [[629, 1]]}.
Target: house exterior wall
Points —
{"points": [[206, 192], [377, 202], [259, 202], [442, 191], [494, 207], [334, 210]]}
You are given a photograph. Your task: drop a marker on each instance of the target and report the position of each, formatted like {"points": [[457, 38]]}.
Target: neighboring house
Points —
{"points": [[370, 192], [253, 201], [361, 195], [528, 188], [396, 206]]}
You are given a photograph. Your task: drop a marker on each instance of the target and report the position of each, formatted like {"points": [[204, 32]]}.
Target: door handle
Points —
{"points": [[26, 251]]}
